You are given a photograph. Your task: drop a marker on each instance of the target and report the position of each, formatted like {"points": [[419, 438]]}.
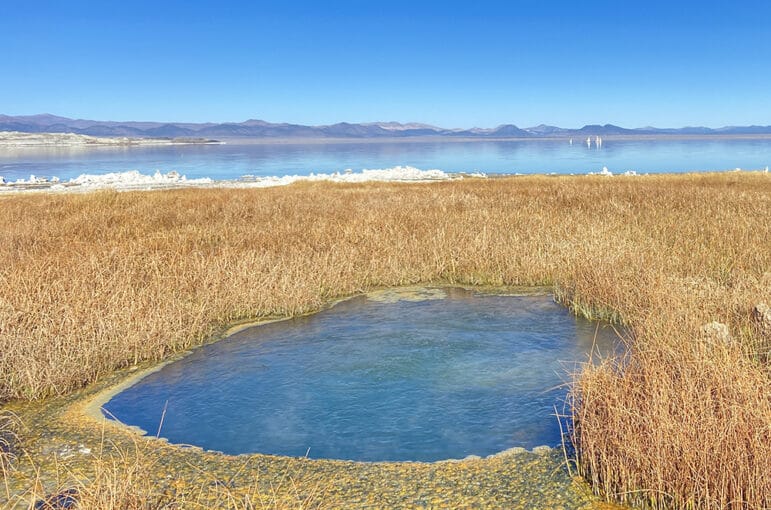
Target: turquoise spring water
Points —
{"points": [[444, 373]]}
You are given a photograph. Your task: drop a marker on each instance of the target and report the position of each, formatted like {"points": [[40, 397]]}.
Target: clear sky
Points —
{"points": [[455, 64]]}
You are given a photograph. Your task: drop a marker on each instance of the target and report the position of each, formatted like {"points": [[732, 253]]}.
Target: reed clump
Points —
{"points": [[94, 282]]}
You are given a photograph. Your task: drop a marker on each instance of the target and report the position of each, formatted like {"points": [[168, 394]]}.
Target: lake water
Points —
{"points": [[419, 375], [234, 160]]}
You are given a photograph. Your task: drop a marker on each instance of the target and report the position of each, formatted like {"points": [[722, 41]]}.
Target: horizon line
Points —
{"points": [[378, 122]]}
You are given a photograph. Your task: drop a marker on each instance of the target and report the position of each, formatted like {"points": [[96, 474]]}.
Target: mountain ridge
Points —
{"points": [[256, 128]]}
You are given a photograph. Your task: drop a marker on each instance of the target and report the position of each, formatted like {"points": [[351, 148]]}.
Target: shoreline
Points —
{"points": [[135, 181], [18, 140]]}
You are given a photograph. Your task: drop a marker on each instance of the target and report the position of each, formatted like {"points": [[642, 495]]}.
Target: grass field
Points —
{"points": [[93, 282]]}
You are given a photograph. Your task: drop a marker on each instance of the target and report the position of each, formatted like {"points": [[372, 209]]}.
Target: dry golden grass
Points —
{"points": [[93, 282]]}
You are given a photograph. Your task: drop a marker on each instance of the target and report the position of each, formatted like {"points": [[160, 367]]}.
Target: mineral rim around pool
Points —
{"points": [[400, 375]]}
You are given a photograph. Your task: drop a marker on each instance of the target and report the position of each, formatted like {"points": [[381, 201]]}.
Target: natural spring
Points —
{"points": [[419, 374]]}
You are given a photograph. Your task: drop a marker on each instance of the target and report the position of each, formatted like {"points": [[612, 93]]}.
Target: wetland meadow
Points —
{"points": [[99, 287]]}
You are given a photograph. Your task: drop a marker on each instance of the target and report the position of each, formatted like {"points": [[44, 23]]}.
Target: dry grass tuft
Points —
{"points": [[673, 427], [90, 283]]}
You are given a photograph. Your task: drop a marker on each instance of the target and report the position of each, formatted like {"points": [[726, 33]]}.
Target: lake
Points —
{"points": [[236, 159]]}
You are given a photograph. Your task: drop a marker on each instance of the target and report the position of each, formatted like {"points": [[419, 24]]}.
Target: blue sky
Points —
{"points": [[454, 64]]}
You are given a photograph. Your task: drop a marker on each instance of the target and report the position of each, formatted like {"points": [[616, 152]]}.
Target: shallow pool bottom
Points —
{"points": [[408, 374]]}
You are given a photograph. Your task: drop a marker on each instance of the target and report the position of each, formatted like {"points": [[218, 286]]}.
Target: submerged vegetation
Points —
{"points": [[90, 283]]}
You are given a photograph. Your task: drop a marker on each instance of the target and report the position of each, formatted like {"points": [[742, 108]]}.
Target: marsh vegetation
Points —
{"points": [[94, 282]]}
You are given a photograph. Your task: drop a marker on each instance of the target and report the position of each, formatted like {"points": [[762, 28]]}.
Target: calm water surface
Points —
{"points": [[374, 380], [231, 161]]}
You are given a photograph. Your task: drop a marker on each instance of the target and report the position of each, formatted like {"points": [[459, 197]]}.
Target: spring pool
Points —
{"points": [[400, 375]]}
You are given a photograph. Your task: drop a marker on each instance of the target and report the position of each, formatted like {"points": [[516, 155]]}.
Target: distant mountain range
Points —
{"points": [[46, 123]]}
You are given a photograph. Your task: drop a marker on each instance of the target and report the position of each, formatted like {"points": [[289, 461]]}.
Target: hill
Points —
{"points": [[254, 128]]}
